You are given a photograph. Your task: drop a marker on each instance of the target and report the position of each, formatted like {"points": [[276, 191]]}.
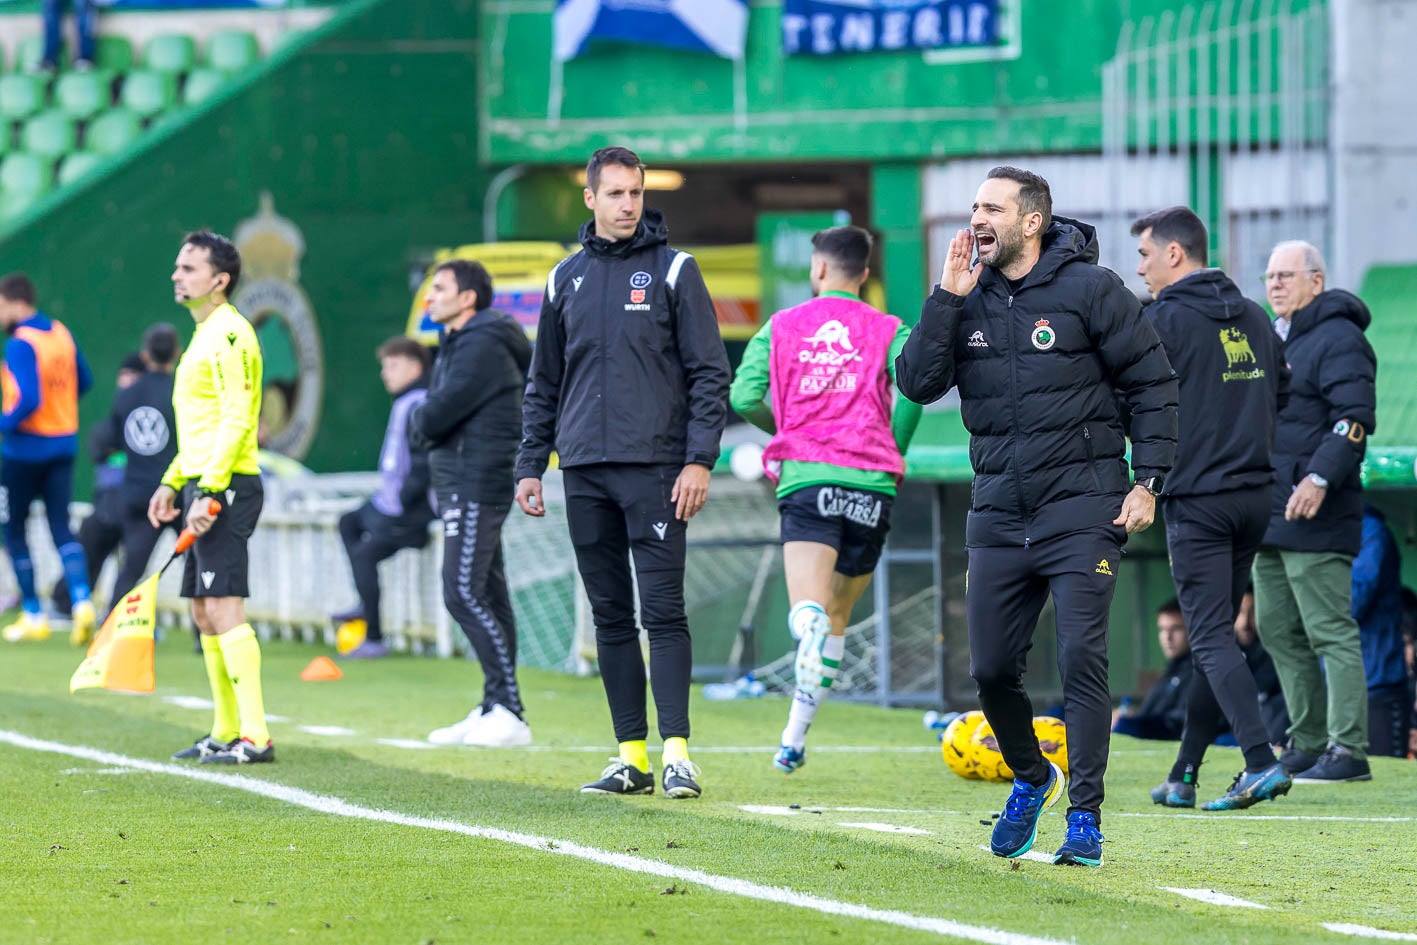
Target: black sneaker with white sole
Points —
{"points": [[204, 746], [681, 779], [1336, 766], [243, 751], [620, 778]]}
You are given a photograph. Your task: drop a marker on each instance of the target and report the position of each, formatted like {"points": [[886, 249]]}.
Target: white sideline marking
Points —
{"points": [[412, 743], [1033, 855], [98, 771], [789, 811], [1345, 928], [326, 804], [188, 702], [1213, 897], [333, 731], [885, 828]]}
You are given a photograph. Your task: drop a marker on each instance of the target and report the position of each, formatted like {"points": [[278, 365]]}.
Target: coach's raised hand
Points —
{"points": [[958, 278]]}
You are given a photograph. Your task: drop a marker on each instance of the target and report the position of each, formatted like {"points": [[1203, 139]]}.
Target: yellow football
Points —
{"points": [[954, 743]]}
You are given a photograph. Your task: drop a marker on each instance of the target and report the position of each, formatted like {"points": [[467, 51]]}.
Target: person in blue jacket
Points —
{"points": [[1377, 606]]}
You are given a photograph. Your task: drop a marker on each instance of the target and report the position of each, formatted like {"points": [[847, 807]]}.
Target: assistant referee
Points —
{"points": [[217, 400]]}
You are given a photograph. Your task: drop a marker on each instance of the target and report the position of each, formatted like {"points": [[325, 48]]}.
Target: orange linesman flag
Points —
{"points": [[121, 656]]}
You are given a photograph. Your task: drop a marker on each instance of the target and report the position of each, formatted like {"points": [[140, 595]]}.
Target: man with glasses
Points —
{"points": [[1303, 572]]}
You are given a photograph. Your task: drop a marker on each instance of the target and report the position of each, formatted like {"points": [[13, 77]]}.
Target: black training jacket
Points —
{"points": [[141, 424], [1325, 427], [1039, 374], [470, 421], [1233, 383], [629, 366]]}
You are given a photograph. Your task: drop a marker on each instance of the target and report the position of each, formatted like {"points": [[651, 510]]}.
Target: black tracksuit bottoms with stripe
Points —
{"points": [[1005, 590], [616, 511], [475, 592]]}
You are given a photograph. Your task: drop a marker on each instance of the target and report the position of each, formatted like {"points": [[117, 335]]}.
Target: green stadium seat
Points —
{"points": [[82, 95], [30, 54], [76, 165], [172, 53], [49, 135], [232, 50], [114, 53], [22, 173], [20, 96], [200, 84], [113, 131], [147, 93]]}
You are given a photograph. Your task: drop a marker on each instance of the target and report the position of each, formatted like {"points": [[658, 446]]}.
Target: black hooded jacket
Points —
{"points": [[470, 421], [1325, 427], [629, 366], [1039, 371], [1233, 383]]}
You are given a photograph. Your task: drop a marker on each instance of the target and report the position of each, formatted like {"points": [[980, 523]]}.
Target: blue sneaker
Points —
{"points": [[1249, 789], [1083, 846], [1017, 827], [1174, 794], [789, 759]]}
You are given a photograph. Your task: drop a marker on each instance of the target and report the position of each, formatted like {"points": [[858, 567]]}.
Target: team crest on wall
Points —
{"points": [[271, 297]]}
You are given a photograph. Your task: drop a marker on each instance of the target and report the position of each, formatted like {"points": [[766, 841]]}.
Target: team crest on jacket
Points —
{"points": [[1043, 336], [638, 283]]}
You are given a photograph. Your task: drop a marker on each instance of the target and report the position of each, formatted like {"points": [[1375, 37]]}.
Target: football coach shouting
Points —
{"points": [[1043, 343]]}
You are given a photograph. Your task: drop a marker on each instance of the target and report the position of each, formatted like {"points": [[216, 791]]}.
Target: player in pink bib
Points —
{"points": [[826, 368]]}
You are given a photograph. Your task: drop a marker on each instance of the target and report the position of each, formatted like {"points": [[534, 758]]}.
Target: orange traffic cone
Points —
{"points": [[321, 669]]}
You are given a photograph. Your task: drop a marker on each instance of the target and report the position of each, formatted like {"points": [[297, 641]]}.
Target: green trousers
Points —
{"points": [[1303, 608]]}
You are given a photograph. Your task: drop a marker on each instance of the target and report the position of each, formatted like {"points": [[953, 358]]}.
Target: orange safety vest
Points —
{"points": [[56, 362]]}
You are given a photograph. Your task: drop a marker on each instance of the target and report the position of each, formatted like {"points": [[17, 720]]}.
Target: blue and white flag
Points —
{"points": [[713, 26], [830, 27]]}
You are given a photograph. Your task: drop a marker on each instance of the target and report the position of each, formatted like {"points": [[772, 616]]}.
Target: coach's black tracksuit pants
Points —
{"points": [[1212, 541], [475, 592], [616, 511], [1005, 590]]}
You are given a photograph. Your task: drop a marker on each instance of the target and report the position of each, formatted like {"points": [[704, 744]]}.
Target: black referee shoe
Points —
{"points": [[204, 746], [681, 779], [243, 751], [620, 778]]}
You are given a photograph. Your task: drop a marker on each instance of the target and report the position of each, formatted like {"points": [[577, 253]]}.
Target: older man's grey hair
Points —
{"points": [[1313, 259]]}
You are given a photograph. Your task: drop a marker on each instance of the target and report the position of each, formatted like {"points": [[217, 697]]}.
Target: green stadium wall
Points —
{"points": [[364, 134]]}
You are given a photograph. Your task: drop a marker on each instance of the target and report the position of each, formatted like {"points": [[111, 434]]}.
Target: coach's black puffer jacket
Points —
{"points": [[1039, 373]]}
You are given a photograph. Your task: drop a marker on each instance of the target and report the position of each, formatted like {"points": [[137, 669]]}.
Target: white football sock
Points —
{"points": [[818, 662]]}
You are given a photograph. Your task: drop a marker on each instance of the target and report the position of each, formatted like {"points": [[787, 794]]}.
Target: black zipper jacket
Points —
{"points": [[629, 366], [471, 419], [1233, 383], [1039, 373], [1325, 427]]}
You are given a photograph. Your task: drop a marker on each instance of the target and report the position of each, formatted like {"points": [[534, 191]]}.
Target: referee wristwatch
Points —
{"points": [[1152, 484]]}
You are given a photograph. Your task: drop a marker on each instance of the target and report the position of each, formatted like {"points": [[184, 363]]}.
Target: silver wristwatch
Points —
{"points": [[1318, 480]]}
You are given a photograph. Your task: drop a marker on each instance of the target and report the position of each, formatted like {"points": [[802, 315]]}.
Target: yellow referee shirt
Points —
{"points": [[216, 396]]}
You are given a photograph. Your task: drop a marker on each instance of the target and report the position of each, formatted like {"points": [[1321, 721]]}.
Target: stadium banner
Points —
{"points": [[719, 27], [833, 27]]}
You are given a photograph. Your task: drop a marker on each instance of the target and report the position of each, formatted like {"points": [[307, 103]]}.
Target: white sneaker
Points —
{"points": [[499, 728], [457, 733]]}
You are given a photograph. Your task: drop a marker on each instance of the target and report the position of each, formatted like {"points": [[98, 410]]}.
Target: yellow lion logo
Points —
{"points": [[1237, 347]]}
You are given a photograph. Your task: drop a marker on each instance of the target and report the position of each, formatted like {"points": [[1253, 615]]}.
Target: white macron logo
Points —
{"points": [[976, 340], [660, 528], [230, 497], [207, 578], [577, 282]]}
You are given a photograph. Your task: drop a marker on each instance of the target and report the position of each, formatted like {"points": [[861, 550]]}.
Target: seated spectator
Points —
{"points": [[398, 514], [1377, 606], [1162, 713]]}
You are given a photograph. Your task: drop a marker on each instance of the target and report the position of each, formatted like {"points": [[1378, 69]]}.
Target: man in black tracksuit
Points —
{"points": [[1304, 569], [629, 382], [470, 422], [1041, 342], [142, 425], [1233, 383]]}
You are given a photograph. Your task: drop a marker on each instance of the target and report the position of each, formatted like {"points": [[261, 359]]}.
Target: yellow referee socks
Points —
{"points": [[226, 724], [242, 653], [635, 755], [675, 749]]}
